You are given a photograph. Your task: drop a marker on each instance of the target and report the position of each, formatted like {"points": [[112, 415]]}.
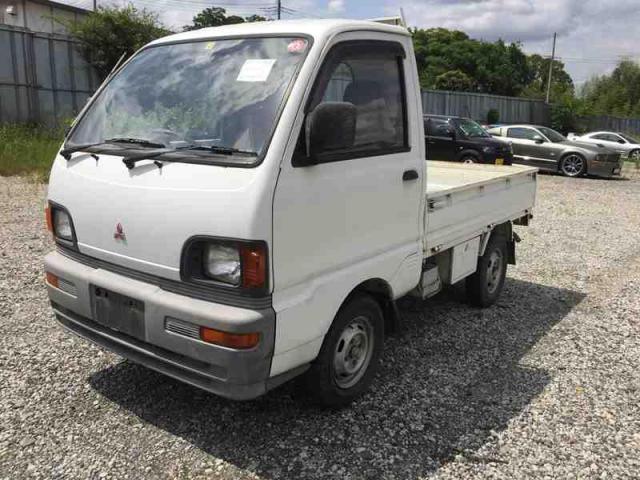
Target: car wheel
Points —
{"points": [[348, 359], [468, 158], [573, 165], [485, 285], [634, 155]]}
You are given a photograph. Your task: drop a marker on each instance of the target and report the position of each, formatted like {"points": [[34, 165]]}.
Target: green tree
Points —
{"points": [[492, 67], [615, 94], [216, 16], [561, 82], [453, 80], [107, 33]]}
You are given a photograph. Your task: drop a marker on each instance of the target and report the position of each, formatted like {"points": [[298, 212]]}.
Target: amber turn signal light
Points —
{"points": [[241, 341], [49, 219], [254, 265], [52, 279]]}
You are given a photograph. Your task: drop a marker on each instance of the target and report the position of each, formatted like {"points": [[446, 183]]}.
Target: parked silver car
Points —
{"points": [[549, 150]]}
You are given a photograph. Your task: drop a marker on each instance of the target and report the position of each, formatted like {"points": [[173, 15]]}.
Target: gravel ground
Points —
{"points": [[543, 385]]}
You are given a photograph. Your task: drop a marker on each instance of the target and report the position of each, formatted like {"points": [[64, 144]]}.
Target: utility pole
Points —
{"points": [[279, 9], [553, 56], [95, 5]]}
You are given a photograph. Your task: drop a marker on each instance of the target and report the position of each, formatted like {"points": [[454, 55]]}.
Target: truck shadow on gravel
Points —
{"points": [[449, 381]]}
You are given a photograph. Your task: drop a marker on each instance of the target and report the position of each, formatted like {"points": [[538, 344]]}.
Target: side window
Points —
{"points": [[437, 127], [524, 133], [368, 78], [605, 136]]}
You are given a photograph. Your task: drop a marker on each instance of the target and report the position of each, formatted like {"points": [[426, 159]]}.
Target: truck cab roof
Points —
{"points": [[316, 28]]}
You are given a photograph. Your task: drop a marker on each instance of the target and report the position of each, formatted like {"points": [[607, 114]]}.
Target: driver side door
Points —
{"points": [[530, 147]]}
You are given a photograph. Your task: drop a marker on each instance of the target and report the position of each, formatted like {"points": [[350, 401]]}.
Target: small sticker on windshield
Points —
{"points": [[210, 45], [254, 70], [297, 46]]}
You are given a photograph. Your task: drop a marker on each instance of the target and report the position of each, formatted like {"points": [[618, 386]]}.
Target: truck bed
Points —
{"points": [[466, 200]]}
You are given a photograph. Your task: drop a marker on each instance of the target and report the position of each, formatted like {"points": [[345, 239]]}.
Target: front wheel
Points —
{"points": [[634, 155], [485, 285], [573, 165], [350, 353]]}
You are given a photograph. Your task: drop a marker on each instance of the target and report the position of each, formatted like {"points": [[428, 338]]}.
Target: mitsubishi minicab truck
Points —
{"points": [[238, 206]]}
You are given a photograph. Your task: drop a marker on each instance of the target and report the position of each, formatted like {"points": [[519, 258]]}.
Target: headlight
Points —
{"points": [[231, 263], [62, 225], [59, 223], [222, 263]]}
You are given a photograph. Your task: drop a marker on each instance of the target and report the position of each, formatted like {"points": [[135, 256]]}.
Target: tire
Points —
{"points": [[485, 285], [634, 156], [350, 353], [469, 158], [573, 165]]}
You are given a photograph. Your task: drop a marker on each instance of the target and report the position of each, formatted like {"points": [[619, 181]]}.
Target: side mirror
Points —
{"points": [[329, 128], [538, 139]]}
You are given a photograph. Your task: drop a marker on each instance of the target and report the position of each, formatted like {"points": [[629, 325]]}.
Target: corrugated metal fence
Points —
{"points": [[477, 106], [43, 78], [606, 122]]}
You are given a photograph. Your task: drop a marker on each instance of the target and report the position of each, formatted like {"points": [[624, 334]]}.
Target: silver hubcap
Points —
{"points": [[494, 271], [635, 155], [468, 160], [572, 165], [353, 352]]}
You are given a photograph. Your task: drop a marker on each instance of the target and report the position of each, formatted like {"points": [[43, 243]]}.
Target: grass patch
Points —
{"points": [[28, 150]]}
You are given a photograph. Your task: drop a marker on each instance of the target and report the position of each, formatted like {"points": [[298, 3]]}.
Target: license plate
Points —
{"points": [[118, 312], [499, 161]]}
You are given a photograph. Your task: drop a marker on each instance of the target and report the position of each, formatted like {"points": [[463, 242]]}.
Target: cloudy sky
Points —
{"points": [[592, 34]]}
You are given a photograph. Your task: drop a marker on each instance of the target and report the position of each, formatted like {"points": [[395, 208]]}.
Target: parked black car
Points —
{"points": [[459, 139]]}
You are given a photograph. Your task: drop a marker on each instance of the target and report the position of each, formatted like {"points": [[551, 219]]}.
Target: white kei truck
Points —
{"points": [[241, 205]]}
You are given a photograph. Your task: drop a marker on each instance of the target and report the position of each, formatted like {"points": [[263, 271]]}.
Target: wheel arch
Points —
{"points": [[380, 290], [469, 151]]}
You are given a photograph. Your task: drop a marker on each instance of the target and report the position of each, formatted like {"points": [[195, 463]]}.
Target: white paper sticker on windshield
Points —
{"points": [[256, 70]]}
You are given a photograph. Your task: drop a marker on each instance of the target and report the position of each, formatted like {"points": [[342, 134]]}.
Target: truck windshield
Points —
{"points": [[219, 96], [470, 128]]}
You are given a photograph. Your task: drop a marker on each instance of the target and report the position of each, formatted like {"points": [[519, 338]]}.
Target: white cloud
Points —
{"points": [[335, 6], [591, 33]]}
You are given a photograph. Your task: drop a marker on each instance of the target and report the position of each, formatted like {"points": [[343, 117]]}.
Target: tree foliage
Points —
{"points": [[107, 33], [561, 82], [453, 80], [216, 16], [615, 94], [491, 67]]}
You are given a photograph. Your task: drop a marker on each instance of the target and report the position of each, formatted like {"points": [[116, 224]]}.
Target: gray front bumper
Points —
{"points": [[605, 169], [236, 374]]}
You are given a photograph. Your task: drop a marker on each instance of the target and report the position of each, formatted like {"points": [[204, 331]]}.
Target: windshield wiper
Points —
{"points": [[131, 160], [222, 150], [68, 151], [138, 141]]}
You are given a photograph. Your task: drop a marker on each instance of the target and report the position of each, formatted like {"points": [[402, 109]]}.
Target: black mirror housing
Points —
{"points": [[329, 128]]}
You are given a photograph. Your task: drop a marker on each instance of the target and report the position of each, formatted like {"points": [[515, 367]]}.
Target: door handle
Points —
{"points": [[409, 175]]}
